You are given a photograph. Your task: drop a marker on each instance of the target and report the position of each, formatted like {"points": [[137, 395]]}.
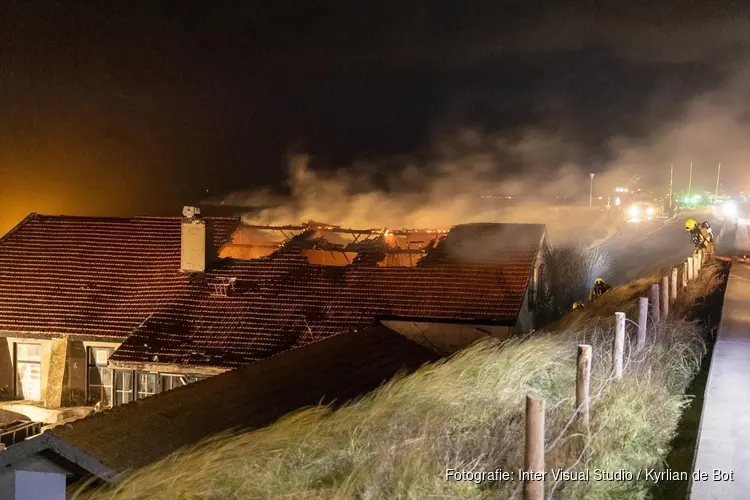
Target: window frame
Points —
{"points": [[172, 376], [17, 392], [89, 366], [117, 387], [139, 394], [134, 392]]}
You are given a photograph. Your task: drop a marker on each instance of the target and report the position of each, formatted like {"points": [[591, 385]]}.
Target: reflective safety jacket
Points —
{"points": [[599, 290], [702, 236]]}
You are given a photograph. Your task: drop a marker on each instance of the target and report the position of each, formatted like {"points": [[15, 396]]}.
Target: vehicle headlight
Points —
{"points": [[650, 211], [634, 211], [729, 208]]}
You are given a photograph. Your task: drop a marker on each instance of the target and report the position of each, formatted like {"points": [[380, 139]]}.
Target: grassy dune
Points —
{"points": [[465, 413]]}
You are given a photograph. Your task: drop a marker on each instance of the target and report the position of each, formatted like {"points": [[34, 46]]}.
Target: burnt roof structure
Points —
{"points": [[283, 301], [120, 278]]}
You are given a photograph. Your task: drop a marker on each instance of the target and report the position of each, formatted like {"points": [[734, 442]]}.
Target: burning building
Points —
{"points": [[108, 310]]}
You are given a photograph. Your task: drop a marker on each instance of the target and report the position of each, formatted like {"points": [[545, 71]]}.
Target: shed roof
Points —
{"points": [[338, 368]]}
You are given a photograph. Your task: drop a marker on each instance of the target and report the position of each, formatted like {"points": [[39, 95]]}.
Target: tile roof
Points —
{"points": [[92, 276], [120, 278], [340, 368], [282, 301]]}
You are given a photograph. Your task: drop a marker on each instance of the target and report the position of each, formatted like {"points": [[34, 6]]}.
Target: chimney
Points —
{"points": [[193, 249]]}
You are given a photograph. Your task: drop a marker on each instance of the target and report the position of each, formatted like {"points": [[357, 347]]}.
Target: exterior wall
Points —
{"points": [[56, 373], [526, 316], [447, 337], [34, 463], [74, 379]]}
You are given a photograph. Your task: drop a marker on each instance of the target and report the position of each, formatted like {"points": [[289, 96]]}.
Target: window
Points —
{"points": [[147, 384], [129, 385], [99, 376], [28, 358], [169, 382], [123, 387]]}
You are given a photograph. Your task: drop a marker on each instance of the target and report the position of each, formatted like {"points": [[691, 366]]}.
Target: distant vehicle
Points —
{"points": [[640, 212], [728, 209]]}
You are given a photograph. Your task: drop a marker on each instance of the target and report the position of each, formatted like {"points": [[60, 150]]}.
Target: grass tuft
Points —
{"points": [[464, 413]]}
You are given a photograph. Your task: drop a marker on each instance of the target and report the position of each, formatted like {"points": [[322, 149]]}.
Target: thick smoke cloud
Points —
{"points": [[448, 187], [451, 187]]}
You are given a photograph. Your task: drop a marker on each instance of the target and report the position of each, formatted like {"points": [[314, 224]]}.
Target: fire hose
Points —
{"points": [[743, 260]]}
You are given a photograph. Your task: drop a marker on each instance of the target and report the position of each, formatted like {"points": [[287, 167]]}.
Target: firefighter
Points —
{"points": [[577, 305], [600, 288], [701, 235]]}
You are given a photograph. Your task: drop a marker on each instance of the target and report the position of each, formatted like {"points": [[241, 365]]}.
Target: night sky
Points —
{"points": [[140, 107]]}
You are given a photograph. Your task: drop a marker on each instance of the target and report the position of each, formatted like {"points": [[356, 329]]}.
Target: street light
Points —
{"points": [[718, 173], [591, 192]]}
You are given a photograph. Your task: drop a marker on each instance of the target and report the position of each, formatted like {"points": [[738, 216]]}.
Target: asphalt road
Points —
{"points": [[639, 249]]}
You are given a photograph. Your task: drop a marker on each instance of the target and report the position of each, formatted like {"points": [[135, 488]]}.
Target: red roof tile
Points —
{"points": [[91, 276]]}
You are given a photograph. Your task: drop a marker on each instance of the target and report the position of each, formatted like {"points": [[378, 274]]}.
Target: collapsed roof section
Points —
{"points": [[283, 301], [325, 244]]}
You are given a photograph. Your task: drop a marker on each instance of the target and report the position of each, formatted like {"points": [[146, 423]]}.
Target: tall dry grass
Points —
{"points": [[569, 272], [465, 413]]}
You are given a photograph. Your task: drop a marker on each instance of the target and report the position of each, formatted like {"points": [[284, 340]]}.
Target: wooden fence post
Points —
{"points": [[685, 273], [691, 268], [583, 382], [642, 320], [673, 288], [665, 296], [533, 463], [696, 264], [655, 311], [619, 347]]}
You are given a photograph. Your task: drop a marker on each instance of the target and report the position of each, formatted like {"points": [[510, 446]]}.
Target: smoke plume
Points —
{"points": [[468, 178], [467, 175]]}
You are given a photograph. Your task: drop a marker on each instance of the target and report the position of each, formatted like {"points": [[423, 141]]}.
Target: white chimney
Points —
{"points": [[193, 249]]}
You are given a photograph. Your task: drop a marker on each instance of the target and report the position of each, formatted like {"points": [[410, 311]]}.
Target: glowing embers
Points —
{"points": [[249, 243], [328, 245], [329, 257]]}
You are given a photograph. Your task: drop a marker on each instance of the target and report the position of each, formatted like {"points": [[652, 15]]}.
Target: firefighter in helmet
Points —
{"points": [[600, 288], [701, 235], [577, 305]]}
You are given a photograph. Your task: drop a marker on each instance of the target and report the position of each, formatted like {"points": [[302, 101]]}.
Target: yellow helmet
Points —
{"points": [[577, 305], [691, 224], [599, 281]]}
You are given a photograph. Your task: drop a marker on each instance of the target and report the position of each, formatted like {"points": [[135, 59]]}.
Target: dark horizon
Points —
{"points": [[138, 109]]}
